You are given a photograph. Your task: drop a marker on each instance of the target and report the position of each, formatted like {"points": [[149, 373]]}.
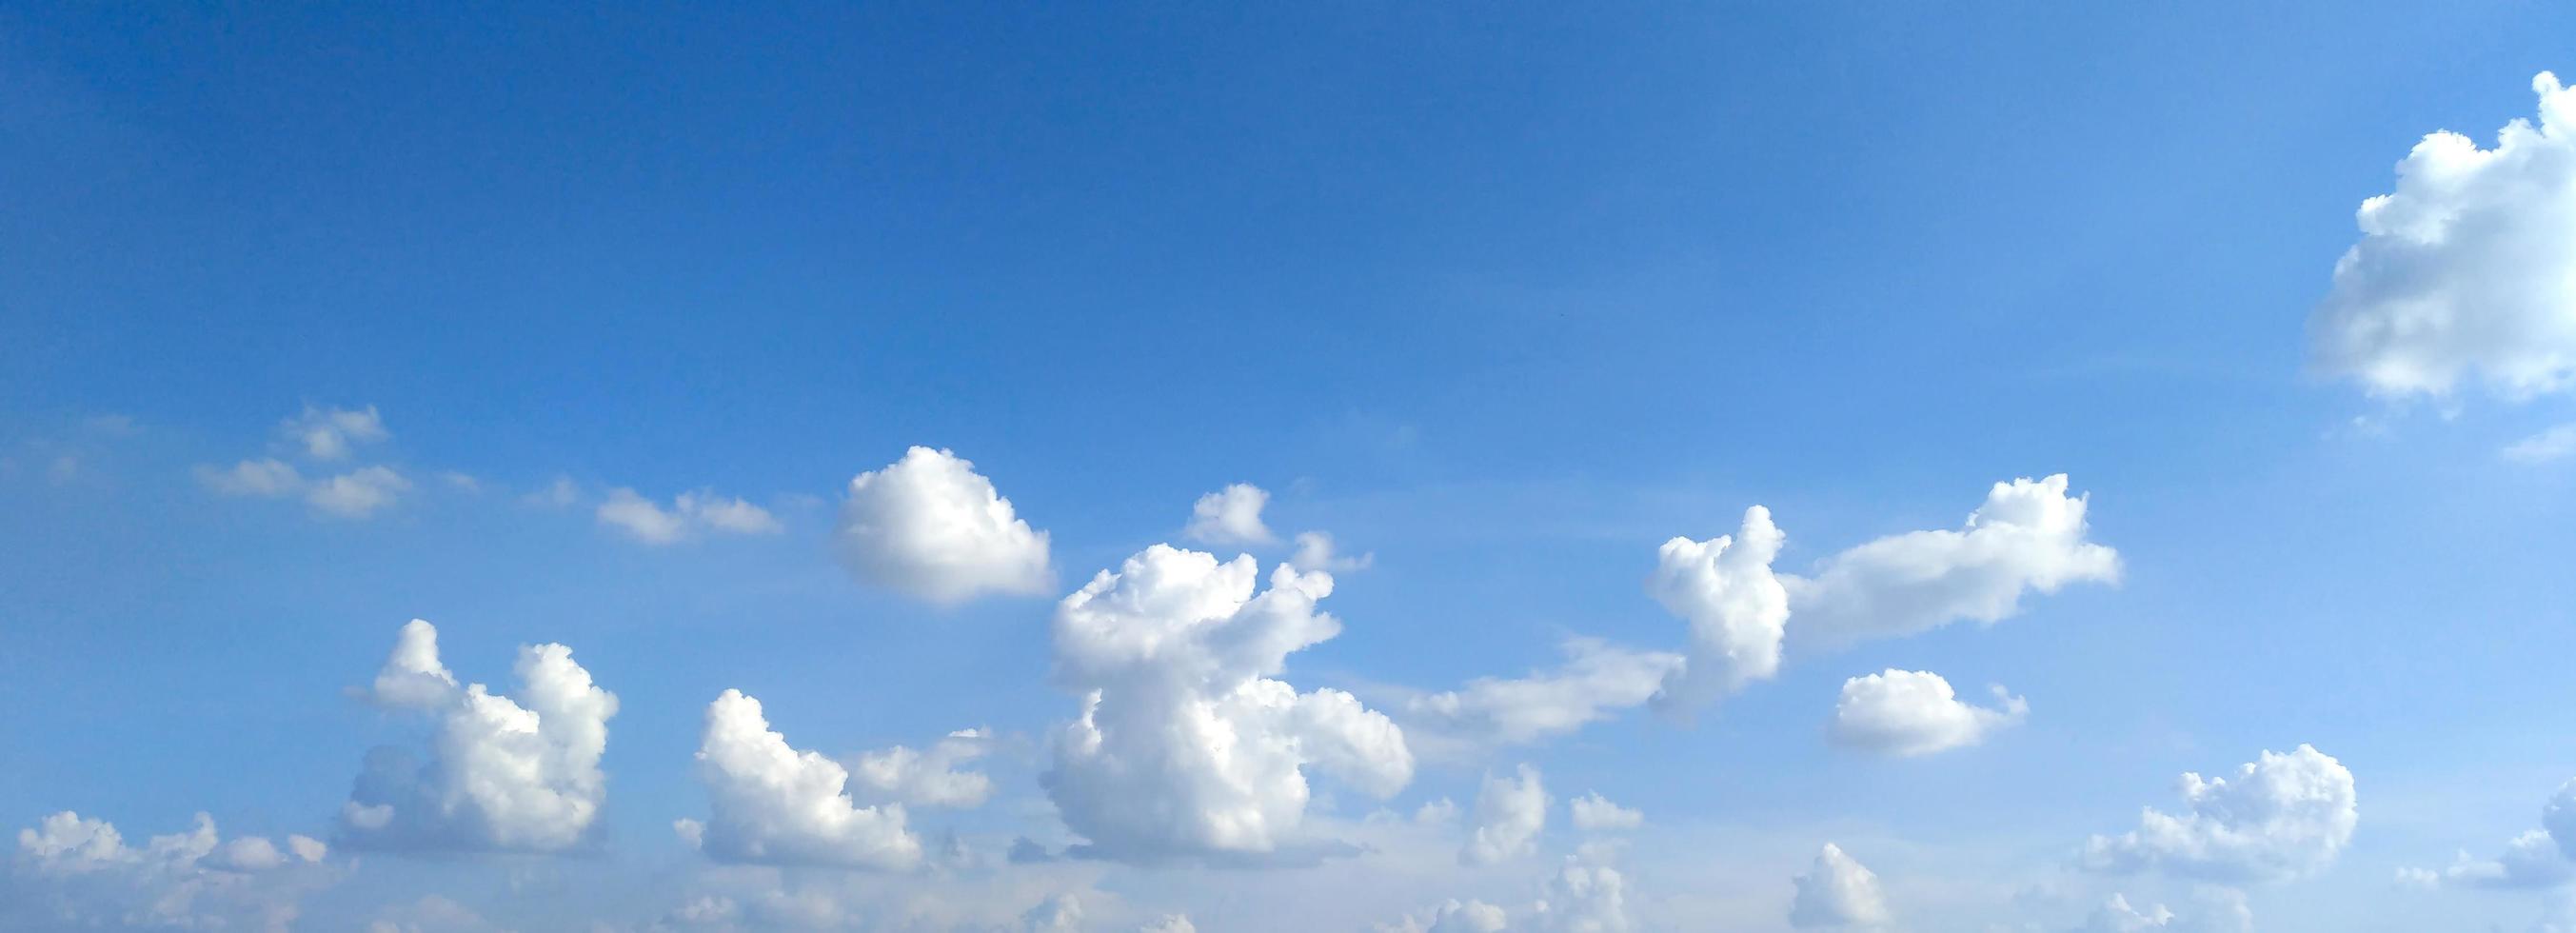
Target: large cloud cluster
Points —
{"points": [[502, 774], [75, 872], [2467, 271], [930, 527], [2281, 816], [1187, 744]]}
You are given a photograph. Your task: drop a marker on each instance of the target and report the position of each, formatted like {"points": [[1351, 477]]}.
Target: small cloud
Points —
{"points": [[267, 479], [1230, 516], [329, 433], [644, 520], [2544, 447], [358, 493]]}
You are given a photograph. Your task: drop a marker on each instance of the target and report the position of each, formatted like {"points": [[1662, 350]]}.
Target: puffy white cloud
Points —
{"points": [[1585, 896], [1596, 680], [2029, 535], [1315, 551], [925, 778], [930, 527], [501, 776], [2467, 270], [357, 493], [1735, 605], [1173, 923], [329, 433], [1595, 813], [74, 872], [2547, 446], [2281, 816], [772, 804], [1230, 516], [1510, 811], [2218, 910], [644, 520], [2530, 860], [1187, 744], [1915, 713], [1838, 892], [1452, 916], [268, 479]]}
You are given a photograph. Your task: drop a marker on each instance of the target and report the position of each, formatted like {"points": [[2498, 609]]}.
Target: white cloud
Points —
{"points": [[2547, 446], [1187, 744], [690, 513], [73, 872], [1735, 605], [1452, 916], [2559, 818], [1910, 713], [561, 493], [2218, 910], [924, 778], [1174, 923], [2281, 816], [2467, 270], [267, 479], [772, 804], [1596, 680], [2029, 535], [1060, 914], [1230, 516], [932, 528], [501, 776], [357, 493], [329, 433], [431, 914], [1838, 892], [2530, 860], [1585, 896], [1594, 813], [1510, 812], [1315, 551]]}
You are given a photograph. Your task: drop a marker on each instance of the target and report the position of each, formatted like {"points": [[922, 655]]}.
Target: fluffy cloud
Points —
{"points": [[267, 479], [1585, 896], [1595, 813], [1230, 516], [1175, 923], [356, 494], [2467, 270], [689, 514], [1915, 713], [1452, 916], [2281, 816], [1187, 744], [930, 527], [772, 804], [1596, 680], [2029, 535], [925, 778], [1735, 605], [2219, 910], [501, 776], [1838, 892], [1510, 811], [1316, 551], [330, 433], [2530, 860], [72, 872]]}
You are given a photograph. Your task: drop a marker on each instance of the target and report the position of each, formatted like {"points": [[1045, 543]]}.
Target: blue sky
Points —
{"points": [[1502, 299]]}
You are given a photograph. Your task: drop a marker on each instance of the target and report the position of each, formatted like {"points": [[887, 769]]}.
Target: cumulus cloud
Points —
{"points": [[930, 527], [2467, 271], [1735, 605], [358, 493], [2029, 535], [1594, 813], [330, 433], [2218, 910], [2282, 816], [267, 479], [1452, 916], [929, 777], [689, 514], [1187, 744], [1316, 551], [75, 872], [1230, 516], [1585, 896], [1909, 713], [2547, 446], [2530, 860], [1510, 811], [770, 803], [1597, 680], [502, 775], [1838, 892]]}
